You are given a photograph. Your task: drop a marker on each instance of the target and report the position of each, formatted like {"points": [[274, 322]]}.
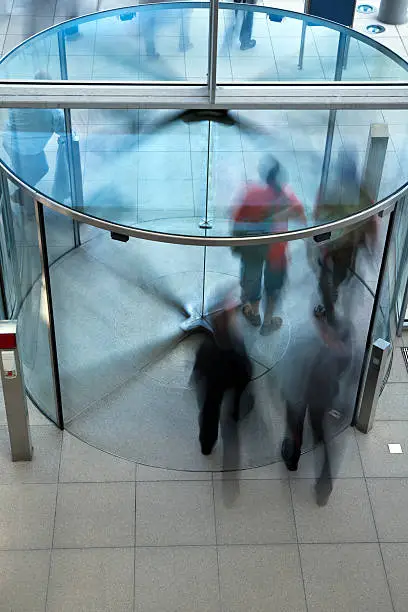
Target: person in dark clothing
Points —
{"points": [[316, 392], [221, 365]]}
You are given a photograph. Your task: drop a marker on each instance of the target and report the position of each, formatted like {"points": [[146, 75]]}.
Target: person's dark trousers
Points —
{"points": [[210, 418], [316, 415], [292, 443], [334, 272]]}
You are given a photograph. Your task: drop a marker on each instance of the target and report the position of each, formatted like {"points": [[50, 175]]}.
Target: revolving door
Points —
{"points": [[124, 316], [118, 222]]}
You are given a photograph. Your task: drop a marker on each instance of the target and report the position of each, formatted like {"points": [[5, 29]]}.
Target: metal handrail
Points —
{"points": [[386, 204]]}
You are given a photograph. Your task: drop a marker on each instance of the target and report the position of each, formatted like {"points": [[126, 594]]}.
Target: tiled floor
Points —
{"points": [[83, 531], [98, 534]]}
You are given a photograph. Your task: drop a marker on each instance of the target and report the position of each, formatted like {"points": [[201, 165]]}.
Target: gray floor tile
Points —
{"points": [[347, 516], [261, 579], [22, 26], [242, 520], [174, 513], [393, 403], [389, 498], [39, 8], [396, 565], [91, 580], [344, 578], [345, 458], [375, 455], [23, 580], [6, 6], [81, 462], [176, 579], [96, 515], [4, 22], [64, 7], [398, 369], [11, 41], [46, 457], [27, 515]]}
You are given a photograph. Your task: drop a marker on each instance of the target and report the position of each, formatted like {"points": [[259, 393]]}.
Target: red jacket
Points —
{"points": [[263, 210]]}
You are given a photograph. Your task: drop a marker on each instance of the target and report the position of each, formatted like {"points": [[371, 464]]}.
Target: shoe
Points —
{"points": [[253, 318], [206, 450], [268, 328], [286, 454], [248, 45], [153, 55]]}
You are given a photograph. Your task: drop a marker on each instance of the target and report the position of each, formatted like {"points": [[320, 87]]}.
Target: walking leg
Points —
{"points": [[292, 443], [210, 418]]}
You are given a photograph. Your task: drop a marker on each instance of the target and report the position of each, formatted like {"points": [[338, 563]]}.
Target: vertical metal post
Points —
{"points": [[206, 221], [404, 306], [14, 393], [46, 287], [302, 45], [375, 159], [4, 305], [212, 50], [74, 161], [332, 116], [374, 312], [377, 363]]}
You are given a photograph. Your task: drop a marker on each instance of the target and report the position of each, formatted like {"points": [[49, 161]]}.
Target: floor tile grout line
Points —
{"points": [[298, 544], [205, 545], [134, 536], [54, 522], [216, 546], [376, 531]]}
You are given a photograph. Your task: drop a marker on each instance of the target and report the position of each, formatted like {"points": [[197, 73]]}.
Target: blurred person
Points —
{"points": [[150, 22], [26, 134], [337, 258], [245, 35], [244, 20], [221, 365], [264, 209], [313, 387]]}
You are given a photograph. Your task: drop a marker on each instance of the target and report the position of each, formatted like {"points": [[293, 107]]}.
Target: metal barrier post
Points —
{"points": [[380, 351], [393, 12], [14, 393], [375, 159]]}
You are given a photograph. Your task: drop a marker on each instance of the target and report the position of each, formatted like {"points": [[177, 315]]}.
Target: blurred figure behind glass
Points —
{"points": [[26, 134], [337, 259], [264, 209]]}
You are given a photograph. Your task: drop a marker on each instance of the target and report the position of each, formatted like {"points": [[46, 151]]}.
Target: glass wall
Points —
{"points": [[26, 284]]}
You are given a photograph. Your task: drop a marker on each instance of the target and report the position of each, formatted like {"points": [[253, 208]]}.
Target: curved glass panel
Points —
{"points": [[162, 171], [127, 383], [267, 45], [169, 42]]}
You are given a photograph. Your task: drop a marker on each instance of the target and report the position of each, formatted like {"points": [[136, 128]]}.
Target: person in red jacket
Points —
{"points": [[264, 209]]}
